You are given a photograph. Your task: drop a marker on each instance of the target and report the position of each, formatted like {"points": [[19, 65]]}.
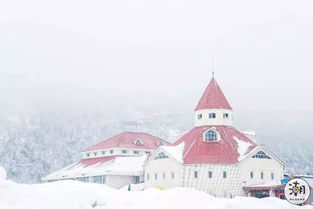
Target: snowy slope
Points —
{"points": [[78, 195]]}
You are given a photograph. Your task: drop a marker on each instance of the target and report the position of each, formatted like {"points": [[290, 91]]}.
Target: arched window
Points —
{"points": [[210, 136], [161, 155], [261, 155], [161, 143], [138, 142]]}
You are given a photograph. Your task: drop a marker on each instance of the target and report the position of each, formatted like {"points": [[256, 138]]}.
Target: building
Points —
{"points": [[116, 161], [214, 156]]}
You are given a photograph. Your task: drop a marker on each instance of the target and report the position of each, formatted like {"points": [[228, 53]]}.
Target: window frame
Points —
{"points": [[212, 115], [224, 175], [212, 132], [210, 174]]}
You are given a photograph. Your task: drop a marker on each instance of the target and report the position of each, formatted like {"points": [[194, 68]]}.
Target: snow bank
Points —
{"points": [[78, 195]]}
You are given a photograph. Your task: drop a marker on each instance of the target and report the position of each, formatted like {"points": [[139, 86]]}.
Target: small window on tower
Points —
{"points": [[199, 116], [196, 174], [212, 115], [225, 115]]}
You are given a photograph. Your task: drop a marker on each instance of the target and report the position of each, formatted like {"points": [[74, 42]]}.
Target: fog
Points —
{"points": [[150, 57]]}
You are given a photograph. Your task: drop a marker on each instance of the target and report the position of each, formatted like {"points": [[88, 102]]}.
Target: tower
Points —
{"points": [[213, 107]]}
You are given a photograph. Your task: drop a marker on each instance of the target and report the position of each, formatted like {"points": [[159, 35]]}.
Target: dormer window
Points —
{"points": [[199, 116], [225, 115], [211, 136], [138, 142], [261, 155], [212, 115], [161, 143]]}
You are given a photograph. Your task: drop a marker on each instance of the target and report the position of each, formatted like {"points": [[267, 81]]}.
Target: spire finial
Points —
{"points": [[213, 73]]}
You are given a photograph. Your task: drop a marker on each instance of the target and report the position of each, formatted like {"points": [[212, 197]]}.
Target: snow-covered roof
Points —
{"points": [[213, 98], [175, 151], [128, 140], [114, 165], [232, 147]]}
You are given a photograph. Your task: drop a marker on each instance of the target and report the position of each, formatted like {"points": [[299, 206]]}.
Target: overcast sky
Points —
{"points": [[156, 55]]}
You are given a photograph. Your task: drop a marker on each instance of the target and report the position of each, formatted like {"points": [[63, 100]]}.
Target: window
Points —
{"points": [[195, 174], [210, 174], [138, 142], [163, 175], [161, 143], [136, 152], [210, 136], [99, 179], [212, 115], [161, 155], [148, 152], [251, 175], [155, 176], [262, 175], [224, 174], [137, 179], [199, 116], [173, 175], [124, 151], [87, 154], [103, 152], [95, 154], [148, 177], [84, 179], [111, 151], [225, 115], [272, 176], [261, 155]]}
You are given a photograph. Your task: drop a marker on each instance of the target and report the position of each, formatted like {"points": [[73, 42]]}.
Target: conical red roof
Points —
{"points": [[213, 98]]}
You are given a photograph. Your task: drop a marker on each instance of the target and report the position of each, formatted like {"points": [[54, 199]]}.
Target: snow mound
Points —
{"points": [[3, 173], [78, 195]]}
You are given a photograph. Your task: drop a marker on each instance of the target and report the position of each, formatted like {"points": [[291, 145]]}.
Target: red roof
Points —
{"points": [[213, 98], [93, 161], [225, 151], [127, 139]]}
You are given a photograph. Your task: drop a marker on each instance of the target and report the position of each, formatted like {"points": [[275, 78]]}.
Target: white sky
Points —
{"points": [[155, 55]]}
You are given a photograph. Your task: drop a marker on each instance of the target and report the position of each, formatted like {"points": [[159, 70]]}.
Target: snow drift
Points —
{"points": [[78, 195]]}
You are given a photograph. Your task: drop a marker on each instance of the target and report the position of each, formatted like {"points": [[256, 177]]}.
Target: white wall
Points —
{"points": [[160, 166], [116, 151], [217, 185], [219, 120], [256, 165]]}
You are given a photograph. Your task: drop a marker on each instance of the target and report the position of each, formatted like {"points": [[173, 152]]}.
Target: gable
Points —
{"points": [[262, 153], [161, 155]]}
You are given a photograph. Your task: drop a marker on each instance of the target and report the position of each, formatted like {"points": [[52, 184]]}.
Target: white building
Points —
{"points": [[215, 157], [116, 161]]}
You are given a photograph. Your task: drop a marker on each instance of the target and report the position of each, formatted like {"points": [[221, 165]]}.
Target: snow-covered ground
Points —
{"points": [[78, 195]]}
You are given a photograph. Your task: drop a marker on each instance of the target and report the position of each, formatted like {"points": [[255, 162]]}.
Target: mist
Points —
{"points": [[129, 60]]}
